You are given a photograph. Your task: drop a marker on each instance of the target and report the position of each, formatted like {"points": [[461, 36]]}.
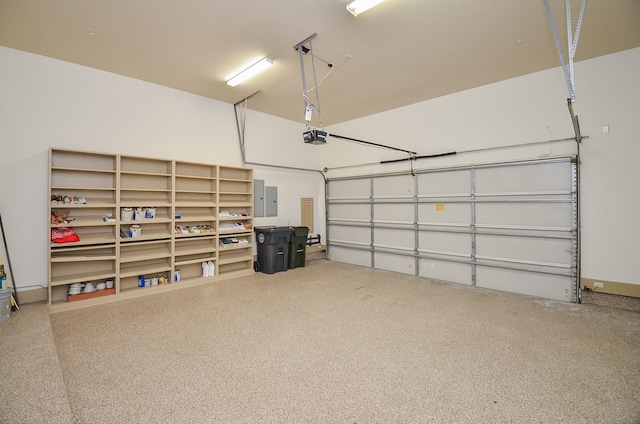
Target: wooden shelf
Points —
{"points": [[110, 182]]}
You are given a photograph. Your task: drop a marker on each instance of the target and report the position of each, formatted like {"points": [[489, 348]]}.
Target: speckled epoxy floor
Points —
{"points": [[335, 343]]}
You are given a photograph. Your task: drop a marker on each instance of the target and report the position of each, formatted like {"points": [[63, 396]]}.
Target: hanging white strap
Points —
{"points": [[572, 42]]}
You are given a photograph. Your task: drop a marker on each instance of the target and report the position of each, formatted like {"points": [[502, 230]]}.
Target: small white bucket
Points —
{"points": [[135, 231], [138, 214], [126, 214]]}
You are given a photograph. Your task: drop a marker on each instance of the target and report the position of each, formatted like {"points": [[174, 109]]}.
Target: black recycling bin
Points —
{"points": [[273, 249], [298, 246]]}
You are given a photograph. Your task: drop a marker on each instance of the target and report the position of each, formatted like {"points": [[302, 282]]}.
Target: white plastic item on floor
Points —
{"points": [[5, 304]]}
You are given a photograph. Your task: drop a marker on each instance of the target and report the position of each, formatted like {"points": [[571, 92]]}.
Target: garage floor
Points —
{"points": [[327, 343]]}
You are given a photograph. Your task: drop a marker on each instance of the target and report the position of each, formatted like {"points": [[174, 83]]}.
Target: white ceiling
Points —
{"points": [[401, 52]]}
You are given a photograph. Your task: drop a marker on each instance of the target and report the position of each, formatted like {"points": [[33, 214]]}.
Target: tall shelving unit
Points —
{"points": [[145, 217], [235, 218]]}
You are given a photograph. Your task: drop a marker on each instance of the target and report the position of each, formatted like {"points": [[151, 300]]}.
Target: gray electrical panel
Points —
{"points": [[258, 198], [271, 201]]}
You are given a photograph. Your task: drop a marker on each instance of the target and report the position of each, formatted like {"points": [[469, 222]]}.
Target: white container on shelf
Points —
{"points": [[135, 231], [126, 214], [138, 214]]}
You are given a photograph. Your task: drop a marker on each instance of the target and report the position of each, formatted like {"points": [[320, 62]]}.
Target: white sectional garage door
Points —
{"points": [[507, 226]]}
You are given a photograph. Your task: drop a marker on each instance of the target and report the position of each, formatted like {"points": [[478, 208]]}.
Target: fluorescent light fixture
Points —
{"points": [[357, 7], [250, 72]]}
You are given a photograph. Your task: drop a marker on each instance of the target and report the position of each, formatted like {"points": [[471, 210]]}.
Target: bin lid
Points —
{"points": [[300, 231], [264, 229]]}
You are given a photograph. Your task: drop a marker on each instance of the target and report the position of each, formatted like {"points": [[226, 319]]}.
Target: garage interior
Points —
{"points": [[467, 168]]}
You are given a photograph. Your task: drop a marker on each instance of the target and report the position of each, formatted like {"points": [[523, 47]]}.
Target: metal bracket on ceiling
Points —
{"points": [[572, 43], [309, 107]]}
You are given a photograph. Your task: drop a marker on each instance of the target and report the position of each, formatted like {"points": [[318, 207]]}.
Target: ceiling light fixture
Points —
{"points": [[251, 71], [357, 7]]}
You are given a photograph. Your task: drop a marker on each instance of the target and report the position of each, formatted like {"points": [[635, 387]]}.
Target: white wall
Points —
{"points": [[49, 103], [523, 110], [279, 142]]}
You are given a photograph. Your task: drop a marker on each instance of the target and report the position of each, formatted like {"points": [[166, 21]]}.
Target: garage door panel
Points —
{"points": [[535, 284], [349, 212], [402, 239], [543, 215], [445, 214], [395, 263], [358, 235], [531, 249], [445, 271], [445, 183], [352, 188], [402, 213], [444, 242], [530, 178], [349, 256], [394, 186]]}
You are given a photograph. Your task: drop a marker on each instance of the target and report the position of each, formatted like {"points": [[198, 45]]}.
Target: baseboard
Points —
{"points": [[610, 287], [32, 296]]}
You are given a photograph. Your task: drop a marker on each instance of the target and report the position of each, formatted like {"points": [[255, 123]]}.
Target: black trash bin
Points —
{"points": [[272, 248], [298, 246]]}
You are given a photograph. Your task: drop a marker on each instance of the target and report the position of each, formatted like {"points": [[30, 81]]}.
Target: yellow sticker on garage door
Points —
{"points": [[440, 208]]}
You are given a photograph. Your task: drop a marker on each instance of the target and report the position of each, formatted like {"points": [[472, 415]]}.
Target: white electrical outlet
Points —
{"points": [[598, 285]]}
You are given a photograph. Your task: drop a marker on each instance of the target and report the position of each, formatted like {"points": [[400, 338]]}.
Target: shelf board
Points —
{"points": [[134, 271], [84, 222], [194, 204], [95, 171], [194, 251], [134, 203], [235, 218], [153, 174], [86, 240], [244, 232], [185, 240], [146, 237], [228, 249], [235, 180], [193, 218], [195, 177], [190, 236], [232, 203], [82, 258], [195, 261], [155, 220], [63, 188], [81, 278], [178, 191], [145, 190], [124, 258], [223, 261]]}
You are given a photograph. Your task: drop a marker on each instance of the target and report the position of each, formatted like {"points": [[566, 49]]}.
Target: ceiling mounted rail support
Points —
{"points": [[574, 120], [309, 107], [572, 43], [240, 122]]}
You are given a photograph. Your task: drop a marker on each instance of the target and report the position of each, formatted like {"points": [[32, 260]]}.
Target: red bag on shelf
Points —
{"points": [[64, 235]]}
